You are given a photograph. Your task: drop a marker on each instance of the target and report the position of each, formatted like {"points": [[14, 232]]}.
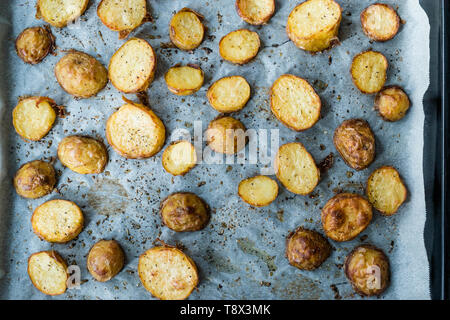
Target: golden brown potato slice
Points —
{"points": [[380, 22], [226, 135], [258, 191], [239, 46], [229, 94], [313, 25], [122, 16], [367, 269], [132, 67], [186, 29], [57, 221], [135, 132], [105, 260], [35, 179], [392, 103], [179, 157], [294, 102], [296, 168], [34, 44], [345, 216], [369, 71], [80, 74], [255, 12], [184, 80], [167, 273], [34, 117], [386, 190], [48, 272], [59, 13]]}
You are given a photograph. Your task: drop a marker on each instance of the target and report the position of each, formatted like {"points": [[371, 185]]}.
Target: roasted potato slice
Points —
{"points": [[57, 221], [229, 94], [135, 132], [59, 13], [386, 190], [307, 249], [132, 68], [392, 103], [255, 12], [34, 44], [313, 25], [105, 260], [355, 142], [345, 216], [294, 102], [380, 22], [167, 273], [34, 117], [35, 179], [186, 29], [179, 157], [80, 74], [239, 46], [226, 135], [368, 71], [296, 168], [48, 272], [258, 191], [122, 16], [367, 269], [184, 80]]}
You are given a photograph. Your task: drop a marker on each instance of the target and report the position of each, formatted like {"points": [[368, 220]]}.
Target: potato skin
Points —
{"points": [[105, 260], [34, 44], [220, 140], [186, 44], [241, 6], [372, 34], [355, 142], [392, 103], [58, 260], [35, 179]]}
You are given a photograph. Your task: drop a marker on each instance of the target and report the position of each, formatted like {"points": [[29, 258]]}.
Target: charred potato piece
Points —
{"points": [[367, 269], [35, 179], [294, 102], [226, 135], [314, 24], [80, 74], [307, 249], [59, 13], [167, 273], [82, 154], [392, 103], [386, 190], [258, 191], [229, 94], [255, 12], [380, 22], [239, 46], [369, 71], [135, 132], [184, 80], [345, 216], [105, 260], [186, 29], [34, 44], [179, 157], [57, 221], [132, 68], [296, 168], [355, 142], [48, 272], [34, 117]]}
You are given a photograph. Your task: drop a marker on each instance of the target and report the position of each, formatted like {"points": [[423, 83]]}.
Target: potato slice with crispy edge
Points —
{"points": [[179, 157], [132, 67], [313, 25], [34, 44], [255, 12], [167, 273], [105, 260], [380, 22], [48, 272], [35, 179], [239, 46], [134, 131], [386, 190], [296, 168], [258, 191], [294, 102], [226, 135], [186, 29], [59, 13], [392, 103], [184, 80], [229, 94], [368, 71]]}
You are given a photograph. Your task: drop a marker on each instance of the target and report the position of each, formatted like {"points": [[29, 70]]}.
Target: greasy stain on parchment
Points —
{"points": [[222, 264], [301, 287], [108, 197], [247, 246]]}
